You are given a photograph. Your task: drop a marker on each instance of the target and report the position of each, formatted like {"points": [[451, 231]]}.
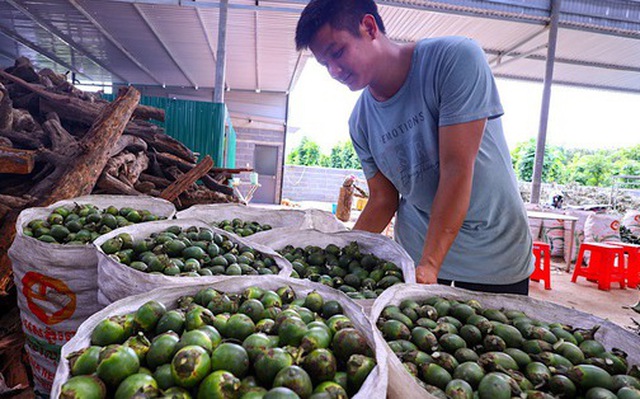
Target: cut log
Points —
{"points": [[69, 107], [16, 161], [211, 184], [172, 192], [127, 167], [15, 202], [157, 181], [145, 187], [196, 197], [95, 147], [111, 185], [62, 142], [6, 109], [27, 140], [172, 160], [129, 142]]}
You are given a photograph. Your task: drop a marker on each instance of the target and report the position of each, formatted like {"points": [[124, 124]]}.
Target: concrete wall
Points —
{"points": [[248, 138], [312, 183]]}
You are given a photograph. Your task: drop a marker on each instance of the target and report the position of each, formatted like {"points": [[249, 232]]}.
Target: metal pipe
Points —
{"points": [[546, 100], [221, 58]]}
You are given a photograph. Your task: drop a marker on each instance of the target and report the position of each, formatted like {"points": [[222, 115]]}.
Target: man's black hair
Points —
{"points": [[340, 14]]}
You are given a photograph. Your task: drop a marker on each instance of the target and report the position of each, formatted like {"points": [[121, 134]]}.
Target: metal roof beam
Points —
{"points": [[206, 36], [591, 64], [72, 44], [164, 45], [593, 86], [516, 46], [499, 63], [212, 4], [27, 43], [113, 40]]}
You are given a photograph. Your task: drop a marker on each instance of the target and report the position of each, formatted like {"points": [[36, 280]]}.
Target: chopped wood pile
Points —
{"points": [[58, 142]]}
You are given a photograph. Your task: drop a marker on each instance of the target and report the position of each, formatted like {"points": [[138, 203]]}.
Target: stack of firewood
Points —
{"points": [[58, 142]]}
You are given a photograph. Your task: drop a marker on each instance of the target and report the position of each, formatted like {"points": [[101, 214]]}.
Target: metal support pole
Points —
{"points": [[221, 56], [546, 97]]}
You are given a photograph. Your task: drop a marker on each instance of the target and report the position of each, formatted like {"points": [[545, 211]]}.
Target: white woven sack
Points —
{"points": [[117, 281], [402, 385], [57, 284], [553, 234], [578, 236], [374, 387], [323, 221], [276, 217], [377, 244], [602, 228], [631, 221]]}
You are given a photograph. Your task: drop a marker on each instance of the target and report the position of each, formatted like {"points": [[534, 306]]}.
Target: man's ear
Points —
{"points": [[369, 27]]}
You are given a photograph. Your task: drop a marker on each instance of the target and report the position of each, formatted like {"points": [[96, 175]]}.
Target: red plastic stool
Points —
{"points": [[632, 264], [602, 266], [542, 271]]}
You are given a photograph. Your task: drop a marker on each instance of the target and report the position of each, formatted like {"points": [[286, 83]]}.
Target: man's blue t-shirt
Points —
{"points": [[449, 83]]}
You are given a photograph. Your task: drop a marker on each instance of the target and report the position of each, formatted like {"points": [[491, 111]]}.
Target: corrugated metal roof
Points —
{"points": [[174, 42]]}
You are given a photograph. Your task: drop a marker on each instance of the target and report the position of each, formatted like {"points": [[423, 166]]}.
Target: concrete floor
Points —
{"points": [[585, 296]]}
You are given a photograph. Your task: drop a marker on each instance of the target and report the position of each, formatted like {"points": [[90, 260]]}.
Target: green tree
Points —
{"points": [[553, 169], [343, 156], [592, 170], [307, 153]]}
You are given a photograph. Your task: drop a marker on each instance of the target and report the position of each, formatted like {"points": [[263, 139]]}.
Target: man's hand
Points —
{"points": [[426, 274]]}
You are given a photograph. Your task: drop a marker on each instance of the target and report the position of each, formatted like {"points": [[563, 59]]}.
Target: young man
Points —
{"points": [[429, 137]]}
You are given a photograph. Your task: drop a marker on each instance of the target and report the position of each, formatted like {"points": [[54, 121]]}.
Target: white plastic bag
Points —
{"points": [[57, 284], [402, 385], [374, 387], [117, 281], [377, 244]]}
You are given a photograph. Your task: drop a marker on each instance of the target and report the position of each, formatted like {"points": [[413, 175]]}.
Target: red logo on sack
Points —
{"points": [[615, 225], [38, 287], [637, 218]]}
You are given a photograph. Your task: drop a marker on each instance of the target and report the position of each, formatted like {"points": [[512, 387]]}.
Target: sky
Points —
{"points": [[578, 118]]}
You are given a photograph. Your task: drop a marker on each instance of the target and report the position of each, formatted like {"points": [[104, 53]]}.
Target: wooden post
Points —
{"points": [[345, 200]]}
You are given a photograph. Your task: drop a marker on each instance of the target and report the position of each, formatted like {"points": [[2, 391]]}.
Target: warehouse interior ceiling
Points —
{"points": [[168, 47]]}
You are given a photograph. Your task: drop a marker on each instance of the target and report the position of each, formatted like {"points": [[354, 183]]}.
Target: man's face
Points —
{"points": [[344, 55]]}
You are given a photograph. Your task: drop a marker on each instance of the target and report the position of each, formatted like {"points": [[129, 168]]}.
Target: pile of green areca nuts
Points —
{"points": [[461, 350], [359, 275], [258, 344], [84, 223], [241, 228], [193, 252]]}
